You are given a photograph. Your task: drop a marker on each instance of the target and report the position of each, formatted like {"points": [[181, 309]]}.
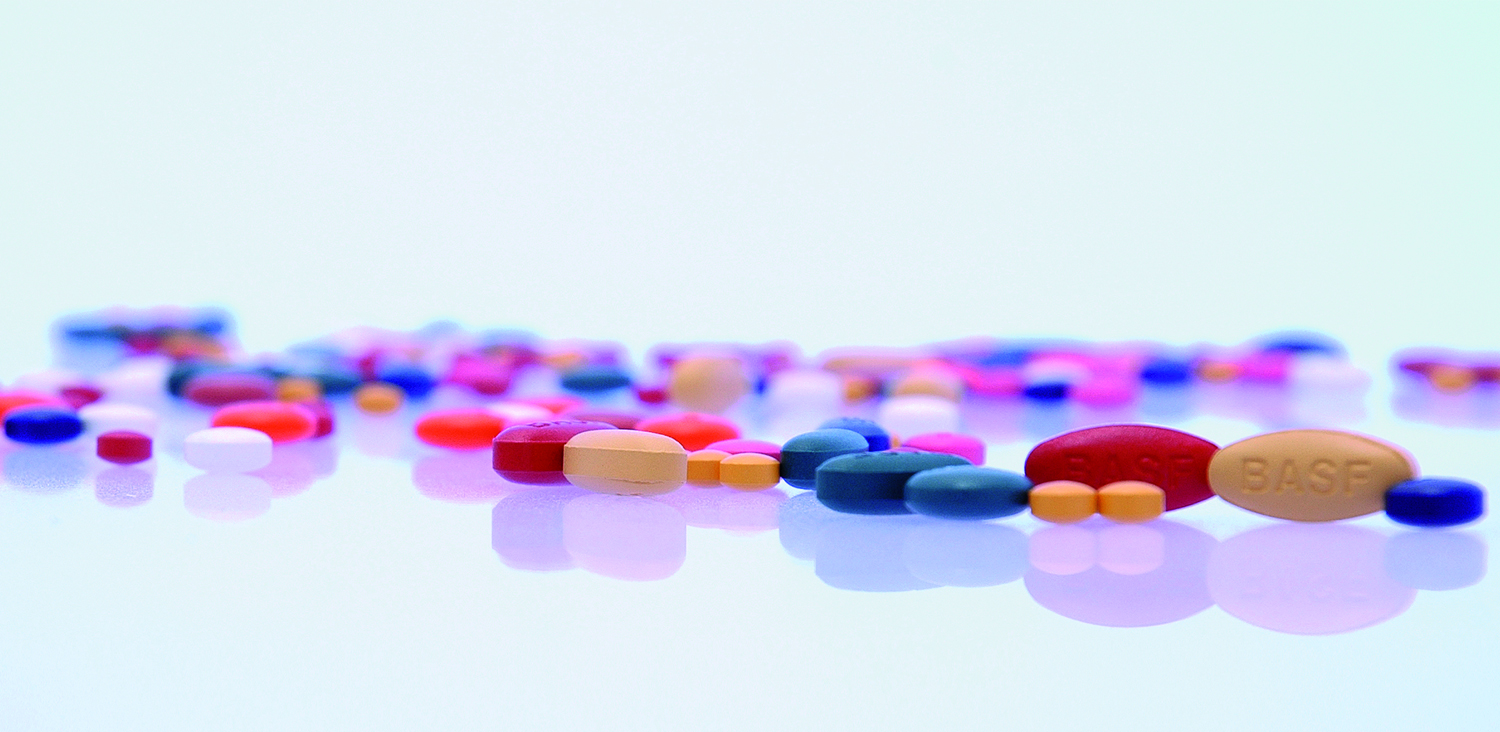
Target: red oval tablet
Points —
{"points": [[282, 421], [219, 389], [532, 453], [1175, 461], [459, 429], [694, 431]]}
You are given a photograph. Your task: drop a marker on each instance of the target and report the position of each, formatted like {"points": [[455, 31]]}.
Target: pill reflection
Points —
{"points": [[1306, 579], [625, 537], [226, 496], [725, 508], [44, 469], [866, 553], [297, 465], [124, 486], [526, 529], [964, 554], [1109, 574], [460, 477], [1436, 560]]}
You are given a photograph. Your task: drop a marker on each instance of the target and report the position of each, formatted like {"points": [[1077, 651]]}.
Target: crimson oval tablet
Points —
{"points": [[532, 453], [1175, 461]]}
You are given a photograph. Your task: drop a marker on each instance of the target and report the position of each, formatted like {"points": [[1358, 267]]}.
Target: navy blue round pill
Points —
{"points": [[595, 379], [967, 492], [873, 433], [1163, 371], [42, 425], [1434, 502], [1049, 391], [875, 482], [801, 455]]}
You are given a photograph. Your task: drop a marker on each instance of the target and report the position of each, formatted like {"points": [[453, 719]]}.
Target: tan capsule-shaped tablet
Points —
{"points": [[703, 466], [378, 397], [750, 471], [1308, 475], [707, 383], [298, 389], [1131, 501], [1063, 501], [625, 462]]}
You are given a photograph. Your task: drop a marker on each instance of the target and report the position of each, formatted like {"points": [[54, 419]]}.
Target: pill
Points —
{"points": [[412, 380], [703, 466], [627, 462], [595, 379], [378, 397], [227, 449], [111, 416], [16, 399], [875, 435], [1131, 501], [123, 448], [532, 453], [1451, 378], [967, 492], [1167, 371], [520, 412], [937, 381], [80, 395], [41, 424], [707, 383], [298, 389], [1047, 391], [874, 482], [281, 421], [1176, 461], [967, 447], [554, 404], [1063, 501], [750, 471], [459, 429], [801, 455], [324, 414], [917, 414], [215, 389], [737, 446], [1308, 475], [692, 430], [804, 390], [1434, 502]]}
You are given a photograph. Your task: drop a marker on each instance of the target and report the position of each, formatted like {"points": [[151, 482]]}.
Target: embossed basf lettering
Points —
{"points": [[1308, 475], [1177, 462]]}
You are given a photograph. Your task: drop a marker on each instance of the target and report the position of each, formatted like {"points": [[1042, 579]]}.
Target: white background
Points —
{"points": [[832, 174]]}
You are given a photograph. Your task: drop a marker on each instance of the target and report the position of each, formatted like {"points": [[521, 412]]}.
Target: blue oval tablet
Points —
{"points": [[1049, 391], [801, 455], [875, 482], [42, 425], [595, 378], [1434, 502], [409, 378], [873, 433], [967, 492]]}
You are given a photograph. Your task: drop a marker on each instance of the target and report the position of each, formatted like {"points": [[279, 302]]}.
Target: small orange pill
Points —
{"points": [[1131, 501], [298, 389], [703, 466], [378, 397], [1063, 501], [750, 471], [1451, 379]]}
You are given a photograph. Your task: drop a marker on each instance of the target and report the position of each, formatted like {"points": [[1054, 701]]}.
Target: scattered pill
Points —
{"points": [[874, 482], [1434, 502], [967, 447], [1176, 461], [917, 414], [740, 445], [692, 430], [750, 471], [626, 462], [1308, 475], [123, 448], [707, 383], [112, 416], [216, 389], [227, 449], [1063, 501], [378, 398], [459, 429], [876, 437], [532, 453], [801, 455], [967, 492], [41, 424], [703, 466], [281, 421], [1131, 501]]}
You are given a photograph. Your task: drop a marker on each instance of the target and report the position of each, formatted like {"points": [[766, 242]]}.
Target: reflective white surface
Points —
{"points": [[366, 582]]}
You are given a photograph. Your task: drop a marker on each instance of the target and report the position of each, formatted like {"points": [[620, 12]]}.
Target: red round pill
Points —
{"points": [[532, 453], [460, 429], [282, 421], [123, 447], [693, 430]]}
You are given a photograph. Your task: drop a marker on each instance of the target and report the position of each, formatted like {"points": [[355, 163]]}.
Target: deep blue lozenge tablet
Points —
{"points": [[1049, 391], [595, 379], [967, 492], [875, 482], [410, 378], [873, 433], [1434, 502], [42, 425], [1166, 371], [801, 455]]}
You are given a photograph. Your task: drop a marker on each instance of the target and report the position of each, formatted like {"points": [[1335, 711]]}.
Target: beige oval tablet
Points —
{"points": [[1308, 475], [625, 462]]}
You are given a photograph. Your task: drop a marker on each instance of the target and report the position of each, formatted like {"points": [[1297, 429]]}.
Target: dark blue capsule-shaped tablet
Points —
{"points": [[967, 492], [875, 482], [595, 379], [1166, 371], [1434, 502], [801, 455], [409, 378], [874, 434], [1049, 391], [42, 425]]}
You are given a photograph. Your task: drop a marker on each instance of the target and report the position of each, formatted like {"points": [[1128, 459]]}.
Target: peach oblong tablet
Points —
{"points": [[1308, 475], [625, 462]]}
